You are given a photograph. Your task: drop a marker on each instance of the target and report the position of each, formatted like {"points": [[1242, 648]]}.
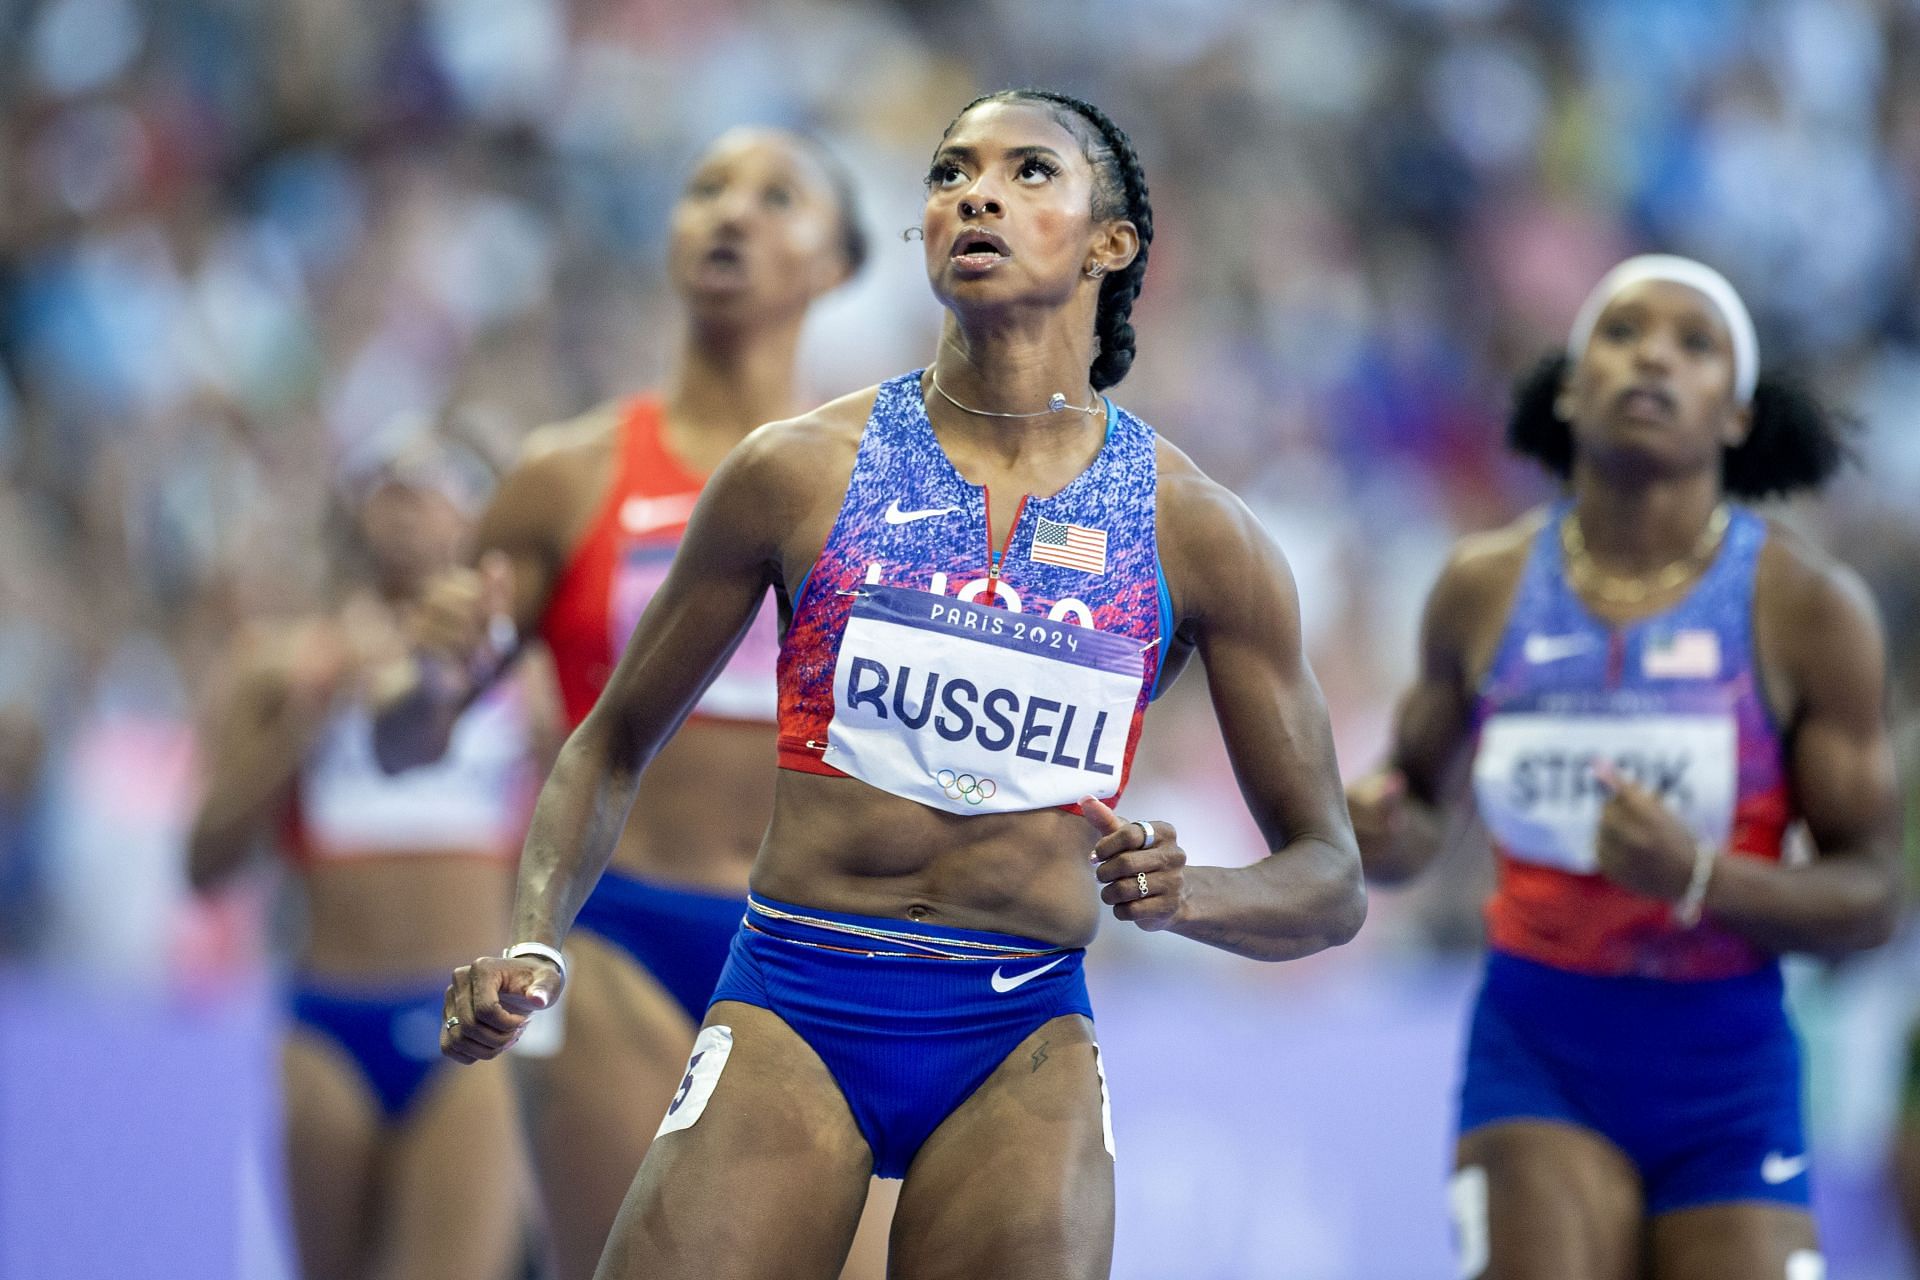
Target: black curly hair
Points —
{"points": [[1796, 445], [1119, 191]]}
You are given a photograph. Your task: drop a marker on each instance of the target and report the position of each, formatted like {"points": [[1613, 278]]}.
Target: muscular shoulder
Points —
{"points": [[1483, 569], [553, 488], [564, 454], [1816, 619], [803, 449], [1799, 578], [1209, 538], [1467, 609], [785, 474]]}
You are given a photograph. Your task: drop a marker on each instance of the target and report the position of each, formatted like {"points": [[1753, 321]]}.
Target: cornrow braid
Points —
{"points": [[1119, 191], [1796, 443]]}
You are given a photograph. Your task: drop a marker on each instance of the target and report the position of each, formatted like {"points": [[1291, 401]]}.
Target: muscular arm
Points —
{"points": [[722, 570], [1243, 617], [419, 700], [1400, 812], [1833, 658], [260, 730]]}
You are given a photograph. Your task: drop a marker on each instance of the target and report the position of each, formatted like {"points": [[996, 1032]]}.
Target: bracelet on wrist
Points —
{"points": [[541, 950], [1688, 907]]}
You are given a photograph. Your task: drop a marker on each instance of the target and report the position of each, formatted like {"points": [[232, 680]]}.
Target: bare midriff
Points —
{"points": [[702, 807], [403, 916], [842, 845]]}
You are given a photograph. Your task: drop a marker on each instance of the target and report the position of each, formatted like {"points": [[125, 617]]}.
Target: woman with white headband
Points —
{"points": [[1647, 683]]}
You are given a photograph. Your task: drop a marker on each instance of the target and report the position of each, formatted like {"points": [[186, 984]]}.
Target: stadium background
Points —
{"points": [[241, 243]]}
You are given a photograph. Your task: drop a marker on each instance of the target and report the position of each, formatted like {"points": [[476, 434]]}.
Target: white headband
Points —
{"points": [[1694, 275]]}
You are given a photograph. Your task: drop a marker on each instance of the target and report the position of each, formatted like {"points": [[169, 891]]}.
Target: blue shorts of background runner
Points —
{"points": [[392, 1034], [1697, 1083], [680, 935]]}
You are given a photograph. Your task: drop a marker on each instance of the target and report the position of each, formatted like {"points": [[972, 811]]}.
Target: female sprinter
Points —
{"points": [[985, 568], [1652, 683], [396, 1166], [578, 540]]}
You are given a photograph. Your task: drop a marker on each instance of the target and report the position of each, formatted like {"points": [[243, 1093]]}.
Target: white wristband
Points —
{"points": [[550, 954], [1687, 909]]}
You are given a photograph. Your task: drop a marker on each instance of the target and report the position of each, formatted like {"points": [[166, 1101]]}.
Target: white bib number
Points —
{"points": [[1533, 778], [975, 709]]}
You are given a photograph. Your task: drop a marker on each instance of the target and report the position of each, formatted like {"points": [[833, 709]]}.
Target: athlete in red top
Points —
{"points": [[576, 542]]}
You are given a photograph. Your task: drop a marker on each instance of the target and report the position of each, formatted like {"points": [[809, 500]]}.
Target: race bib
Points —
{"points": [[975, 709], [1533, 778]]}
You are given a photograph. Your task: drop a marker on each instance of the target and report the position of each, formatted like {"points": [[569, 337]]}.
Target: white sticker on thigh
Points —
{"points": [[1467, 1196], [1806, 1264], [1106, 1104], [545, 1033], [704, 1065]]}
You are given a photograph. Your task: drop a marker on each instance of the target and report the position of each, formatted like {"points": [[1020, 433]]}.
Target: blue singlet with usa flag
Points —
{"points": [[969, 678]]}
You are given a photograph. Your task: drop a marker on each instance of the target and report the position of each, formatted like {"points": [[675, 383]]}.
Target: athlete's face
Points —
{"points": [[412, 532], [759, 232], [1009, 216], [1656, 381]]}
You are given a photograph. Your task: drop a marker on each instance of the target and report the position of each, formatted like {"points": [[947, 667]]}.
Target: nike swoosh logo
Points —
{"points": [[1776, 1168], [644, 515], [1540, 650], [896, 516], [1003, 984]]}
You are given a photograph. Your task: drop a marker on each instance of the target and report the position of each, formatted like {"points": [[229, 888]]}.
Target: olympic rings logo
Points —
{"points": [[964, 786]]}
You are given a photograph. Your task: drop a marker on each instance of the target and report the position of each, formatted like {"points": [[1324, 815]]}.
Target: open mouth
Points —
{"points": [[976, 248], [723, 266], [1646, 401]]}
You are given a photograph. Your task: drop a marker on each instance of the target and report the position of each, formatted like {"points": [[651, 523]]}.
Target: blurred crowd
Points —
{"points": [[244, 246]]}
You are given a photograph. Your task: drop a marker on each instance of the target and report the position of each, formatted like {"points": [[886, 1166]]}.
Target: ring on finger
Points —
{"points": [[1140, 878], [1149, 836], [451, 1024]]}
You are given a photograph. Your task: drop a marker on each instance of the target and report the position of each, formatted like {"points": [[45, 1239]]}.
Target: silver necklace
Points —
{"points": [[1055, 404]]}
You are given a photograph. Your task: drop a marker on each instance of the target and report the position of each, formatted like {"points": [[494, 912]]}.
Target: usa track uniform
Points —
{"points": [[971, 679], [678, 934], [345, 807], [1597, 1008]]}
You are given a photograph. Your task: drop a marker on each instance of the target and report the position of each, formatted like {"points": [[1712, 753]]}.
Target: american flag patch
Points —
{"points": [[1071, 546], [1683, 655]]}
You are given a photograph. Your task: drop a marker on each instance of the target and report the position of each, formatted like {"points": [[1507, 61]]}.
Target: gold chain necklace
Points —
{"points": [[1621, 589]]}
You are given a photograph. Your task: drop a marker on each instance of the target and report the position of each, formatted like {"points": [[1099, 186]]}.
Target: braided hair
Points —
{"points": [[1796, 443], [1119, 191]]}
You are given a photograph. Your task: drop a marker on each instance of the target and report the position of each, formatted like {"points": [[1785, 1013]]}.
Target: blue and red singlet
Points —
{"points": [[1599, 1009], [1675, 702], [968, 677]]}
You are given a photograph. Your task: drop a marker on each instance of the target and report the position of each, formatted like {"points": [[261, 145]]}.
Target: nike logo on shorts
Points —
{"points": [[1003, 984], [895, 515], [1540, 650], [1778, 1168]]}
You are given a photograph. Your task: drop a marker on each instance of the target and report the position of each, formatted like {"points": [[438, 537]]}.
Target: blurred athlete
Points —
{"points": [[576, 543], [398, 875], [959, 673], [1649, 683]]}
